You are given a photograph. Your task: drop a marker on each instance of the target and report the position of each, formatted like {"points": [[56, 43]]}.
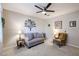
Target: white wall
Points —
{"points": [[1, 32], [0, 26], [48, 30], [73, 32], [15, 22]]}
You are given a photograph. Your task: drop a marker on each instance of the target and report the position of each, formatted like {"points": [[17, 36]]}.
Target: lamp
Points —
{"points": [[19, 32]]}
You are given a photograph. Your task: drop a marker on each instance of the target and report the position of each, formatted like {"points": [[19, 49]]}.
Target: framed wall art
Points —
{"points": [[58, 24], [30, 24], [72, 23]]}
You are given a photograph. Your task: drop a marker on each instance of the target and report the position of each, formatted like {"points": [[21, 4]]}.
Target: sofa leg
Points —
{"points": [[27, 46], [59, 46]]}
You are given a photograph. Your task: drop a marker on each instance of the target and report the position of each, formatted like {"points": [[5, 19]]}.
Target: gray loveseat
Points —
{"points": [[33, 39]]}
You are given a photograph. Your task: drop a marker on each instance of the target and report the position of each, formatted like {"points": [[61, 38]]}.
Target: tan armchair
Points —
{"points": [[60, 39]]}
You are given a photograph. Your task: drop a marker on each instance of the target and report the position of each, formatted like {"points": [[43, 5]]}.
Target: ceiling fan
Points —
{"points": [[44, 9]]}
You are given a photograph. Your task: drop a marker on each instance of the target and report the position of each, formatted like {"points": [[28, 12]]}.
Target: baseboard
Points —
{"points": [[73, 45]]}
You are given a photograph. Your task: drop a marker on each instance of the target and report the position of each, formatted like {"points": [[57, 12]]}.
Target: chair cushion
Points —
{"points": [[61, 36], [58, 39]]}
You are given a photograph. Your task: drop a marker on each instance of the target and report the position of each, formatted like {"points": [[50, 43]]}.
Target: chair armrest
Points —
{"points": [[63, 40]]}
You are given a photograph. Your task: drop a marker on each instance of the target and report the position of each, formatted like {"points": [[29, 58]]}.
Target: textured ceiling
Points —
{"points": [[30, 10]]}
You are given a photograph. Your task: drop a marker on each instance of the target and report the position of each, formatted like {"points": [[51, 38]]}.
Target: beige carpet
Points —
{"points": [[43, 50]]}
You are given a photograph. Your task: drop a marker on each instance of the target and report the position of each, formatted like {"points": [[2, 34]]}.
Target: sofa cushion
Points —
{"points": [[29, 36], [35, 35], [36, 40], [40, 35]]}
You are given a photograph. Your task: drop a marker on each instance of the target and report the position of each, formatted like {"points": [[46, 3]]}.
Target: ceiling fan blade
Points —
{"points": [[38, 11], [50, 11], [38, 7], [48, 6]]}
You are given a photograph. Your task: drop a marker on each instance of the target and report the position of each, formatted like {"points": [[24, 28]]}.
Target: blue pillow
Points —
{"points": [[30, 36]]}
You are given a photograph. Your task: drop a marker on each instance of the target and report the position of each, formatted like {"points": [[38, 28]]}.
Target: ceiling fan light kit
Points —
{"points": [[43, 12]]}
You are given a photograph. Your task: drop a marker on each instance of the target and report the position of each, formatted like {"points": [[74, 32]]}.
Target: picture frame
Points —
{"points": [[72, 23], [58, 24], [30, 24]]}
